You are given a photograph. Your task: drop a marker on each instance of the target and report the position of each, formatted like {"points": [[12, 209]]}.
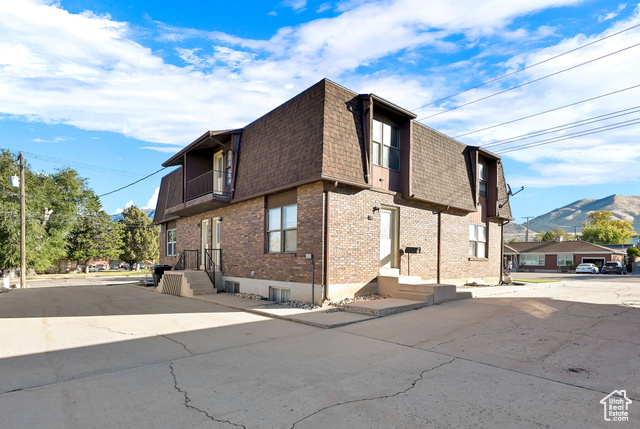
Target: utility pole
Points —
{"points": [[526, 234], [23, 226]]}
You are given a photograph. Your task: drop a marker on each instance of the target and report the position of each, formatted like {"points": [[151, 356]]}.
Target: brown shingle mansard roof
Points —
{"points": [[557, 247], [318, 135]]}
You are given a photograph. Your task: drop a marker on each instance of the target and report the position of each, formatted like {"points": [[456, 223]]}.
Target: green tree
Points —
{"points": [[600, 228], [95, 235], [52, 202], [140, 237], [553, 235], [633, 253]]}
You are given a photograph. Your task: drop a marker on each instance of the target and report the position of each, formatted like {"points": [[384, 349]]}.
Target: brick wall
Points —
{"points": [[242, 237], [354, 240]]}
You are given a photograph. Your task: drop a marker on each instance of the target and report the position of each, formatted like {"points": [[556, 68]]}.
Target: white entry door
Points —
{"points": [[206, 240], [388, 238], [215, 243], [218, 172]]}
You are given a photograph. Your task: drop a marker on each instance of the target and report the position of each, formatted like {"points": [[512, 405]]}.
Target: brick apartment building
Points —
{"points": [[554, 256], [333, 188]]}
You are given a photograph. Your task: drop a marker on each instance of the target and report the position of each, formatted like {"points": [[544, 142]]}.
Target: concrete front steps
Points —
{"points": [[199, 282], [186, 283], [416, 289]]}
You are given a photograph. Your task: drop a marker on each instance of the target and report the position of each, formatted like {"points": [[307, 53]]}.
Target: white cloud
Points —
{"points": [[613, 14], [129, 204], [151, 204], [88, 71], [296, 5], [55, 140]]}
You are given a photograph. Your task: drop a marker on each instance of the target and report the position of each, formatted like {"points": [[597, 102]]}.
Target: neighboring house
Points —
{"points": [[558, 256], [349, 180]]}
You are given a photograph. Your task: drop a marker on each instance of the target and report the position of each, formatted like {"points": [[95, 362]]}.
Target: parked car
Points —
{"points": [[587, 269], [614, 267], [101, 267]]}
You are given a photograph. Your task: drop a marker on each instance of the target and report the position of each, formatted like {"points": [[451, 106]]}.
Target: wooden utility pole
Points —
{"points": [[526, 235], [23, 226]]}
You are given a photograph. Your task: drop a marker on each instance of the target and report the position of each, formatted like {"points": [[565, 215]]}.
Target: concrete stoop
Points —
{"points": [[416, 289], [186, 283], [199, 282]]}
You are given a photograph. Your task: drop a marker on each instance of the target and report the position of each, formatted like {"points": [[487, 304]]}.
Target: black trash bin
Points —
{"points": [[158, 271]]}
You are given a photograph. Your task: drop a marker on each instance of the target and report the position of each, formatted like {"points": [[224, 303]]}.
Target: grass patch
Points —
{"points": [[535, 281]]}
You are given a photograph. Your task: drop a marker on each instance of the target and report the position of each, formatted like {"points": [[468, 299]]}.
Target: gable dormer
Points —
{"points": [[484, 166], [388, 140]]}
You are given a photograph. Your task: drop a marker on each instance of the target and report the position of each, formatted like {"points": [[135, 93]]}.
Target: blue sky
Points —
{"points": [[113, 89]]}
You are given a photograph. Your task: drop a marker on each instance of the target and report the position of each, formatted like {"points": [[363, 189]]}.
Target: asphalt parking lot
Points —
{"points": [[106, 356]]}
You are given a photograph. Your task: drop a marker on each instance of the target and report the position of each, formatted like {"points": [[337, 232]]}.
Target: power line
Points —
{"points": [[133, 183], [78, 164], [547, 111], [525, 68], [566, 126], [572, 136], [527, 83]]}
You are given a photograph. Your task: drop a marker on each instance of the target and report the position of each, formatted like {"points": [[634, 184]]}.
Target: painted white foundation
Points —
{"points": [[299, 291]]}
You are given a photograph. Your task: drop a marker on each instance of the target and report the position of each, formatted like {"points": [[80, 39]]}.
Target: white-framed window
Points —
{"points": [[477, 241], [564, 259], [279, 294], [227, 167], [483, 178], [231, 287], [282, 229], [386, 145], [171, 242], [532, 259]]}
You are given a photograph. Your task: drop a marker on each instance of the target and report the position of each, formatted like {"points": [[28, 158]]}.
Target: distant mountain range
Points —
{"points": [[149, 212], [572, 216]]}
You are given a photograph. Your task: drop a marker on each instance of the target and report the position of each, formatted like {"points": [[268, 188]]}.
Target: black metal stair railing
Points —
{"points": [[188, 260]]}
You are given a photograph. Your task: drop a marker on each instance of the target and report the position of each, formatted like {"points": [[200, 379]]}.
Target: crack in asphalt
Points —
{"points": [[411, 386], [177, 342], [187, 401]]}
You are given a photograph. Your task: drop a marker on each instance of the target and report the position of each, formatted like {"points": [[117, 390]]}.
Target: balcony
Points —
{"points": [[207, 191]]}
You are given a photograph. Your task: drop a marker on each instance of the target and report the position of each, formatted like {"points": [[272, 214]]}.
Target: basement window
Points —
{"points": [[231, 287], [279, 294]]}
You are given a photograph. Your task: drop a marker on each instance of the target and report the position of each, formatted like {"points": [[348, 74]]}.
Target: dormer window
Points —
{"points": [[483, 179], [386, 145]]}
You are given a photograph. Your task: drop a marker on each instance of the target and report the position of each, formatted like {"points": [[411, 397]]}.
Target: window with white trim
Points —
{"points": [[532, 259], [227, 167], [279, 294], [386, 145], [282, 229], [564, 259], [477, 241], [171, 242], [483, 178]]}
